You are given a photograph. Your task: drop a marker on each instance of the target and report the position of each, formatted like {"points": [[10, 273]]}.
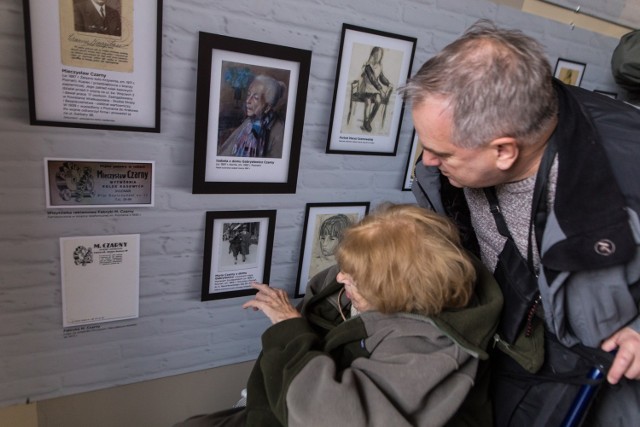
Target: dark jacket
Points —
{"points": [[374, 369], [87, 19], [590, 279]]}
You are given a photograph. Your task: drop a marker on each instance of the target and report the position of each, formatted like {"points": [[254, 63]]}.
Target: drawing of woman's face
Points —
{"points": [[328, 245], [256, 104]]}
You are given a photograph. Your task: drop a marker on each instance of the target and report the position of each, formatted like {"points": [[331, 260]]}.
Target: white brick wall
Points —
{"points": [[175, 332]]}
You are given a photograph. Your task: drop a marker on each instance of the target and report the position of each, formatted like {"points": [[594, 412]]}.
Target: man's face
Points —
{"points": [[474, 168], [256, 105], [101, 2]]}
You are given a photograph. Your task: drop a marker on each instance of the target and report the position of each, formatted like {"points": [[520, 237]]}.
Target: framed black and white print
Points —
{"points": [[569, 72], [367, 110], [250, 107], [94, 66], [324, 223], [415, 155], [237, 252]]}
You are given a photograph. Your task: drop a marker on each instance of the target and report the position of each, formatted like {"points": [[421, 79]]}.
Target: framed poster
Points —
{"points": [[237, 252], [569, 72], [415, 155], [94, 64], [367, 110], [83, 183], [100, 278], [250, 107], [324, 224]]}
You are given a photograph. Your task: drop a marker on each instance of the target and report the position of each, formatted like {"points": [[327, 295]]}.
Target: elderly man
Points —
{"points": [[542, 179], [94, 16]]}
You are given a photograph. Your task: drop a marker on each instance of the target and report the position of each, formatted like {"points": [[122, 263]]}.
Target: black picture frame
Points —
{"points": [[224, 275], [415, 155], [366, 52], [330, 219], [91, 76], [569, 72], [227, 67]]}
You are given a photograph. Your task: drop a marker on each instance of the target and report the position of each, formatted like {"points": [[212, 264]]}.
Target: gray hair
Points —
{"points": [[273, 89], [497, 83]]}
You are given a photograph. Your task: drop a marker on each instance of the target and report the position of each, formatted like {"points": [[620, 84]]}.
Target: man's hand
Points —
{"points": [[627, 360], [274, 303]]}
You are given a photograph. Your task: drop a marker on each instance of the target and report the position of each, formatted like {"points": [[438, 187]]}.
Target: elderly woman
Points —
{"points": [[391, 336], [261, 133]]}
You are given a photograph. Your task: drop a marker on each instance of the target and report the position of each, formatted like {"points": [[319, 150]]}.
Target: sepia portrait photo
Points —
{"points": [[97, 34]]}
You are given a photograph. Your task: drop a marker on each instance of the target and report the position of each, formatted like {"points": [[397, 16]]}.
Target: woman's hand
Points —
{"points": [[273, 302]]}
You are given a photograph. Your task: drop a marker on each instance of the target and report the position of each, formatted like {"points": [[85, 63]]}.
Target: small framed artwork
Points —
{"points": [[250, 106], [415, 155], [92, 183], [94, 64], [367, 110], [611, 95], [237, 252], [324, 224], [569, 72]]}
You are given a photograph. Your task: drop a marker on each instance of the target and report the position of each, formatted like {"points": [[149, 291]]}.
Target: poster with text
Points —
{"points": [[83, 183], [94, 63], [100, 278]]}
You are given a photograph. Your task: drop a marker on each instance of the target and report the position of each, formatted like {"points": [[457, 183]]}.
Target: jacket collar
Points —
{"points": [[589, 206]]}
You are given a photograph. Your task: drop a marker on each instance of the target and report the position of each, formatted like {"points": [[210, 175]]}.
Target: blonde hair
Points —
{"points": [[404, 258]]}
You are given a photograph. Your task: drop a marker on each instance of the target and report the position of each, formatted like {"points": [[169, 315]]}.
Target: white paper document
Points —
{"points": [[100, 278]]}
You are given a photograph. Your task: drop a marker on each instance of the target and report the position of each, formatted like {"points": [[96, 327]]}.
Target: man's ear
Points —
{"points": [[506, 152]]}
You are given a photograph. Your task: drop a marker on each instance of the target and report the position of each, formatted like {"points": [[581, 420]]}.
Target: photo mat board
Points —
{"points": [[324, 223], [569, 72], [366, 114], [89, 71], [250, 107], [237, 251]]}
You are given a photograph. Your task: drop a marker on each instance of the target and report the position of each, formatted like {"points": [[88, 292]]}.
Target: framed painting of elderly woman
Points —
{"points": [[250, 106], [324, 224]]}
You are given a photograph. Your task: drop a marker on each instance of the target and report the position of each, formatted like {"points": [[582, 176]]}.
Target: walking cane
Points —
{"points": [[584, 398]]}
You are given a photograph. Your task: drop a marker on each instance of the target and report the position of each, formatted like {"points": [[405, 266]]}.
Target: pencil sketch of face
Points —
{"points": [[331, 229]]}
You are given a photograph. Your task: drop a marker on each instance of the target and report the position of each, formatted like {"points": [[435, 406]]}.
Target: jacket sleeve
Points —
{"points": [[286, 348]]}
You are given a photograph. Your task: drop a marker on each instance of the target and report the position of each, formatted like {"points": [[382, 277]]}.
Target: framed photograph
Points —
{"points": [[94, 64], [367, 110], [250, 106], [611, 95], [237, 251], [324, 223], [569, 72], [83, 183], [415, 155]]}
